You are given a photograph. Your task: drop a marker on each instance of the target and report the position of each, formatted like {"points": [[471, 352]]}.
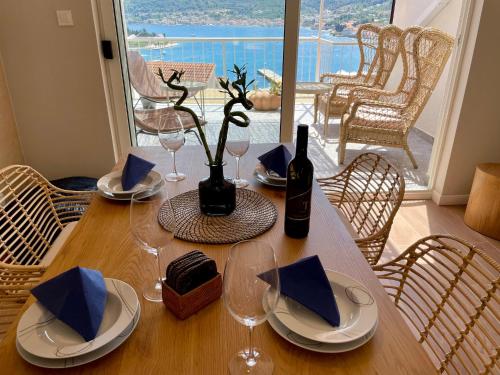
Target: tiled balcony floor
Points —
{"points": [[264, 128]]}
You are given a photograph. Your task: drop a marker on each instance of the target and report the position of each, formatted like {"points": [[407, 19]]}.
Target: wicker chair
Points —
{"points": [[379, 49], [368, 194], [34, 217], [447, 291], [385, 118]]}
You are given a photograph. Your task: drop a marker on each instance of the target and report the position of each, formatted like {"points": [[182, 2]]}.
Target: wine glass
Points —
{"points": [[150, 235], [172, 138], [250, 300], [237, 143]]}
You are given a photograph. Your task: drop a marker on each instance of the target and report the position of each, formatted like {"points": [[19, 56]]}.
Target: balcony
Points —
{"points": [[264, 55]]}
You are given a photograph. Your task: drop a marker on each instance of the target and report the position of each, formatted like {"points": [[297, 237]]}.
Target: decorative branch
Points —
{"points": [[237, 91], [176, 76]]}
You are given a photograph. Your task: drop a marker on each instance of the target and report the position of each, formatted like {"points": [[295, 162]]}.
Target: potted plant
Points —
{"points": [[217, 194], [267, 100]]}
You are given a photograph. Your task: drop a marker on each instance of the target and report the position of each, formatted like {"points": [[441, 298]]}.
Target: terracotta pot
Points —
{"points": [[263, 100]]}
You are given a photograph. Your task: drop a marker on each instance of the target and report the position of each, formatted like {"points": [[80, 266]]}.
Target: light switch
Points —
{"points": [[64, 18]]}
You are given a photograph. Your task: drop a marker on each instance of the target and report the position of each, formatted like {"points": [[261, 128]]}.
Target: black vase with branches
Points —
{"points": [[217, 194]]}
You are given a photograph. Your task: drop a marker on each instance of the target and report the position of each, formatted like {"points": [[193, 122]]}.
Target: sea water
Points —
{"points": [[254, 54]]}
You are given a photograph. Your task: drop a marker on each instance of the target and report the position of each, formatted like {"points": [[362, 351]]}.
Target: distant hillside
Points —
{"points": [[339, 14]]}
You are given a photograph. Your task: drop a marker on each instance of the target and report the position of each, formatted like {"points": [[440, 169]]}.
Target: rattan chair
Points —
{"points": [[447, 291], [367, 194], [384, 118], [35, 216], [378, 49]]}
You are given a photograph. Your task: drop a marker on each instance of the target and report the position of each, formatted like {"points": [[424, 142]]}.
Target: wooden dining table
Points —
{"points": [[204, 343]]}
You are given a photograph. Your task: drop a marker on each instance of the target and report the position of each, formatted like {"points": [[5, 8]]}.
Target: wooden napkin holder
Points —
{"points": [[183, 306]]}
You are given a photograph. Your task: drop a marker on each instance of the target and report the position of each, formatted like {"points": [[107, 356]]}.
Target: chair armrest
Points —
{"points": [[348, 86], [376, 103], [339, 78]]}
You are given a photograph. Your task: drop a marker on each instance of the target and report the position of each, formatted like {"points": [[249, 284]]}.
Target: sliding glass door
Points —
{"points": [[205, 39]]}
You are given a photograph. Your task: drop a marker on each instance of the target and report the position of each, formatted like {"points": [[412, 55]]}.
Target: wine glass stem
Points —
{"points": [[157, 258], [175, 167], [237, 167], [250, 360]]}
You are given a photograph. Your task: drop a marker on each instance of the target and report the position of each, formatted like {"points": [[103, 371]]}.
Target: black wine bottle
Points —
{"points": [[298, 189]]}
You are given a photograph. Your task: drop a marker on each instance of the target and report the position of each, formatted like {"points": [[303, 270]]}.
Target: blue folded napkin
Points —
{"points": [[276, 160], [305, 281], [134, 171], [77, 297]]}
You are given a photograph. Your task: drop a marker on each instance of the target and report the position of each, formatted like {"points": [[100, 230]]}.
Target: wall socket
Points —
{"points": [[64, 18]]}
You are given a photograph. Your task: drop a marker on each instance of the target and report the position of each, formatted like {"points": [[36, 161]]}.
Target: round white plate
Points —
{"points": [[316, 346], [272, 177], [112, 183], [265, 181], [128, 197], [84, 358], [357, 308], [41, 334]]}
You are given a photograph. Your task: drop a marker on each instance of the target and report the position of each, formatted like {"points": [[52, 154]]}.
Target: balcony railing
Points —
{"points": [[315, 55]]}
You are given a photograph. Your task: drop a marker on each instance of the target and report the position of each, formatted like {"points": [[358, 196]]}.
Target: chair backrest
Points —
{"points": [[367, 36], [29, 220], [425, 52], [447, 291], [369, 197], [389, 49], [142, 78]]}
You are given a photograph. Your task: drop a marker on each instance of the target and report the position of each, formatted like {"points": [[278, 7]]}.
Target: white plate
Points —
{"points": [[112, 183], [357, 308], [84, 358], [316, 346], [265, 181], [41, 334], [270, 176], [129, 196]]}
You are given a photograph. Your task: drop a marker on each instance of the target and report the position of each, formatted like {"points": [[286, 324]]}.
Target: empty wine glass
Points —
{"points": [[150, 235], [244, 296], [172, 138], [237, 143]]}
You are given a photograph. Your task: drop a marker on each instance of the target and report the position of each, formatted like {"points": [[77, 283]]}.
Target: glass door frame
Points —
{"points": [[117, 82]]}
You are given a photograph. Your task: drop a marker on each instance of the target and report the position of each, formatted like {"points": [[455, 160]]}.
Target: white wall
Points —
{"points": [[10, 149], [411, 12], [54, 77], [474, 128]]}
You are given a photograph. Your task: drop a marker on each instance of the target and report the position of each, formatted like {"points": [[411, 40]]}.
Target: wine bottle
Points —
{"points": [[298, 189]]}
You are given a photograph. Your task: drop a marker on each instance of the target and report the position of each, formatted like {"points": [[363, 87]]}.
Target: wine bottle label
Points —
{"points": [[299, 206]]}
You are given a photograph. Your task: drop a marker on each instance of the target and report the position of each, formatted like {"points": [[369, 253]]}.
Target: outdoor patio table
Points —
{"points": [[204, 343], [313, 88]]}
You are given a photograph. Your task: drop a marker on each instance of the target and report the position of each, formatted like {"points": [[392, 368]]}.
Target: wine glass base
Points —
{"points": [[175, 177], [240, 183], [241, 364], [153, 292]]}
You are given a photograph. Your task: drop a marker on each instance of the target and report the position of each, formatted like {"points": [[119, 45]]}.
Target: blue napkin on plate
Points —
{"points": [[305, 281], [77, 297], [134, 171], [276, 160]]}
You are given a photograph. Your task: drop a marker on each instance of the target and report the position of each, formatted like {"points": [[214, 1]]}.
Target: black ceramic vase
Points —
{"points": [[217, 194]]}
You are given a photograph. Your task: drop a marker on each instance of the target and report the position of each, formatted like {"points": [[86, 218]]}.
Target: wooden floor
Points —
{"points": [[417, 219]]}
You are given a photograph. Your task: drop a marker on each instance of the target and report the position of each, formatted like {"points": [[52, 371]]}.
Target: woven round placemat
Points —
{"points": [[254, 214]]}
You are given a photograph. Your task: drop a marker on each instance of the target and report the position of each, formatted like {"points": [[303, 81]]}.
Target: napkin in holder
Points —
{"points": [[134, 171], [306, 282], [276, 160], [192, 282], [77, 297]]}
